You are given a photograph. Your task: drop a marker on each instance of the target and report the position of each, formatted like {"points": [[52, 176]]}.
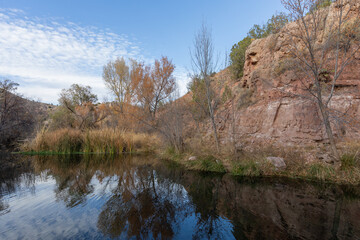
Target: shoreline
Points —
{"points": [[315, 172]]}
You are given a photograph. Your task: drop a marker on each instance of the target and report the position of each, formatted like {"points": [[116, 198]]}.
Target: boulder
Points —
{"points": [[192, 158], [278, 162]]}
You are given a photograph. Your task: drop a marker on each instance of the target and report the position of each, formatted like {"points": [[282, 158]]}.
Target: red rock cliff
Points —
{"points": [[262, 111]]}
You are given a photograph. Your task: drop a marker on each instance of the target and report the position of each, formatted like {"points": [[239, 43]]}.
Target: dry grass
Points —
{"points": [[106, 140], [61, 140], [319, 171], [252, 162]]}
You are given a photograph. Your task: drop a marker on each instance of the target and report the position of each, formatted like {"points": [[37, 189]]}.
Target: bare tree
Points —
{"points": [[204, 64], [171, 122], [323, 44], [15, 119], [226, 59]]}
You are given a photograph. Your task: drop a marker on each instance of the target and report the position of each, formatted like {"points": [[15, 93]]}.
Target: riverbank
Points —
{"points": [[256, 164], [305, 162], [255, 167], [348, 174]]}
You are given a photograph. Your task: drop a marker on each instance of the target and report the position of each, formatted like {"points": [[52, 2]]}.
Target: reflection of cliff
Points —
{"points": [[279, 210]]}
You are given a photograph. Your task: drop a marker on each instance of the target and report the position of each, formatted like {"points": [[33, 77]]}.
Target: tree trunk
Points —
{"points": [[215, 133], [329, 132], [211, 111], [233, 128]]}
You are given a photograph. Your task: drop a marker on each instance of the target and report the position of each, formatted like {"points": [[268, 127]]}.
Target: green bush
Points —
{"points": [[237, 54], [247, 168], [207, 164], [237, 57], [320, 4]]}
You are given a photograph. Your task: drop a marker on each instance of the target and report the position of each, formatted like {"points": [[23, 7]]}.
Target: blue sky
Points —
{"points": [[48, 45]]}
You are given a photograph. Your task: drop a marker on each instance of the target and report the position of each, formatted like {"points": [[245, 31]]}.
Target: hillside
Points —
{"points": [[20, 120]]}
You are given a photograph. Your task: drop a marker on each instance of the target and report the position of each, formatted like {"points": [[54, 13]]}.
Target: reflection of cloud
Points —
{"points": [[159, 202], [55, 55], [41, 216]]}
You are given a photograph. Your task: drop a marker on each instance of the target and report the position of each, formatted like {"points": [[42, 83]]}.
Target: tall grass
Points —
{"points": [[207, 164], [246, 168], [320, 172], [106, 140], [348, 161]]}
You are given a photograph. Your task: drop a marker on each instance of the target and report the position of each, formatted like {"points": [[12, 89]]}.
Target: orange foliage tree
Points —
{"points": [[148, 86]]}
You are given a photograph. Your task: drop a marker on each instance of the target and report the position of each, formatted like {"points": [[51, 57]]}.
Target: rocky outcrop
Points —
{"points": [[269, 102]]}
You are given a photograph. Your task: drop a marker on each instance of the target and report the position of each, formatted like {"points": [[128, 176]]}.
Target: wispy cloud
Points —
{"points": [[46, 56]]}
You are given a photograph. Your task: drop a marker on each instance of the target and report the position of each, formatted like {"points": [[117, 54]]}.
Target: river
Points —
{"points": [[140, 197]]}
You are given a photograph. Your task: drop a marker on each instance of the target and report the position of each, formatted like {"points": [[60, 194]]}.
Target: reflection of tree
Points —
{"points": [[13, 177], [144, 205], [72, 176], [4, 208], [204, 192], [19, 172], [145, 199], [73, 189]]}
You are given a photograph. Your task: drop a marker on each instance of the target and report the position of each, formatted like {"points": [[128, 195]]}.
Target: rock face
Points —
{"points": [[263, 109]]}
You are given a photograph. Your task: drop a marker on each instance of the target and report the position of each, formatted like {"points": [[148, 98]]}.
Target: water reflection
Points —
{"points": [[143, 198], [143, 205], [16, 175]]}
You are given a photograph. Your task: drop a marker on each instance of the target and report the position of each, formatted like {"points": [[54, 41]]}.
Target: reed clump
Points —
{"points": [[104, 140]]}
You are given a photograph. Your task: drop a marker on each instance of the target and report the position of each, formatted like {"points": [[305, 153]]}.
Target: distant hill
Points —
{"points": [[21, 121]]}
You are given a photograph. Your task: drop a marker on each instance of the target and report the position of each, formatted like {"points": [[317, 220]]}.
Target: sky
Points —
{"points": [[46, 46]]}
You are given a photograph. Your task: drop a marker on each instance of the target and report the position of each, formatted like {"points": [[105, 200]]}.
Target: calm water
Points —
{"points": [[77, 197]]}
